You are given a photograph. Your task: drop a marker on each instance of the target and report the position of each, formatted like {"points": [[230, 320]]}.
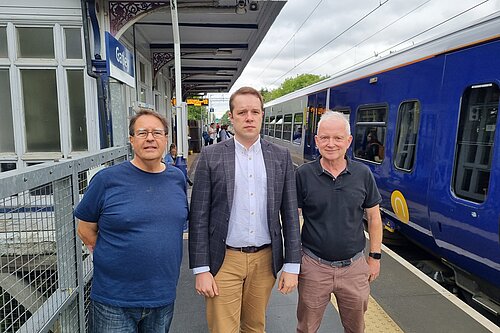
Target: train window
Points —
{"points": [[266, 126], [298, 119], [271, 125], [278, 129], [475, 139], [287, 127], [406, 135], [370, 133]]}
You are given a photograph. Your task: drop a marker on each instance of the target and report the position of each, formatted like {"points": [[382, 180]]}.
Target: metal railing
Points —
{"points": [[45, 272]]}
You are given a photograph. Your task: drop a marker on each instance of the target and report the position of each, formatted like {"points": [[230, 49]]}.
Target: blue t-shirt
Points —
{"points": [[140, 217]]}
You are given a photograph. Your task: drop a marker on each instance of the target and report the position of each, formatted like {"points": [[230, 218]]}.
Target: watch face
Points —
{"points": [[375, 255]]}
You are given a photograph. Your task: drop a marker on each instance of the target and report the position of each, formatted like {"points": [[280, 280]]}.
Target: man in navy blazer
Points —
{"points": [[243, 197]]}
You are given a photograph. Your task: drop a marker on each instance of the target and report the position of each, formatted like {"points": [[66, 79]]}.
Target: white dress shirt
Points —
{"points": [[248, 222]]}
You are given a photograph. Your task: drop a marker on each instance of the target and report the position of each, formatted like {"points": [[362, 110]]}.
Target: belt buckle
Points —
{"points": [[341, 263]]}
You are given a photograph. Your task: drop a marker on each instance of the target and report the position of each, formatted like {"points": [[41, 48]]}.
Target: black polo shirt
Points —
{"points": [[333, 208]]}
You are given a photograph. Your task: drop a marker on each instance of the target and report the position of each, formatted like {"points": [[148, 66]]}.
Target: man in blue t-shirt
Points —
{"points": [[131, 218]]}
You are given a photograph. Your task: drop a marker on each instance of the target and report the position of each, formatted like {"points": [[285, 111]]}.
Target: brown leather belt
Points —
{"points": [[248, 249]]}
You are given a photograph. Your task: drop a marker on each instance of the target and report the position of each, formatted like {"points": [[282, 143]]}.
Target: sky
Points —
{"points": [[325, 37]]}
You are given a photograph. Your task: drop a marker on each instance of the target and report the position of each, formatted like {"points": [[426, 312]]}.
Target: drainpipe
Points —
{"points": [[105, 137]]}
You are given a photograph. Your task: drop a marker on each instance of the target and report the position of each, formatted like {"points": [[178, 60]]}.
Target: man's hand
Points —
{"points": [[205, 285], [374, 269], [287, 282]]}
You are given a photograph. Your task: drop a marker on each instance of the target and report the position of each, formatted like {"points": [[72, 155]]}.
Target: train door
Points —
{"points": [[316, 106], [464, 216]]}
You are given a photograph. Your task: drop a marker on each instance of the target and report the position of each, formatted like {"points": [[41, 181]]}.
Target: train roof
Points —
{"points": [[482, 30]]}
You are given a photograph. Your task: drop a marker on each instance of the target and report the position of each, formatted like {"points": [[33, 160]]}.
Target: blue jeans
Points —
{"points": [[105, 318]]}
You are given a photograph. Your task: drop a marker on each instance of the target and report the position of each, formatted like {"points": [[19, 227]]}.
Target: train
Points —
{"points": [[424, 120]]}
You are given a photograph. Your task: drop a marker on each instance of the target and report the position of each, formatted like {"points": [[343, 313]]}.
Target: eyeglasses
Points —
{"points": [[142, 133]]}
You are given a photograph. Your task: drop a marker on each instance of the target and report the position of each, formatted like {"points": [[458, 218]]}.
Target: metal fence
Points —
{"points": [[45, 272]]}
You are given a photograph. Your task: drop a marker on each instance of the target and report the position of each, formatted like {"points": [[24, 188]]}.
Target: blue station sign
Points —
{"points": [[120, 61]]}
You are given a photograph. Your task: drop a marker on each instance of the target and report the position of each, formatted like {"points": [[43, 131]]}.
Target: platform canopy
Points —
{"points": [[218, 37]]}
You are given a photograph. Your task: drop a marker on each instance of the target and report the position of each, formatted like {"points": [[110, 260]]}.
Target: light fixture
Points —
{"points": [[241, 7], [254, 6]]}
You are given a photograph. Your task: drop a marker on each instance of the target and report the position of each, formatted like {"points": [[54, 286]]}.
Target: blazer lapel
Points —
{"points": [[229, 171], [269, 161]]}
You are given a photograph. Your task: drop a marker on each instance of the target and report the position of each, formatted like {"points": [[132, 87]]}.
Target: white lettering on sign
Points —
{"points": [[122, 59]]}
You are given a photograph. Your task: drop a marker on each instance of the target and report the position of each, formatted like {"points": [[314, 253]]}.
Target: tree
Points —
{"points": [[225, 119], [197, 112], [291, 85]]}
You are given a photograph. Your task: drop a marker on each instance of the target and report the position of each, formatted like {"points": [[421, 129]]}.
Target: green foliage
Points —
{"points": [[225, 119], [197, 112], [291, 85]]}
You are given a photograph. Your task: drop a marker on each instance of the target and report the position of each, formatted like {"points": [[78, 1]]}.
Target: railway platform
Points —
{"points": [[403, 299]]}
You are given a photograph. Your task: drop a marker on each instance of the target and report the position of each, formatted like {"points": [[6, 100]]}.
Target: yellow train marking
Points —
{"points": [[399, 206]]}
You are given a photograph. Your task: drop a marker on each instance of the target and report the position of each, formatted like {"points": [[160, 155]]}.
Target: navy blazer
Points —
{"points": [[212, 198]]}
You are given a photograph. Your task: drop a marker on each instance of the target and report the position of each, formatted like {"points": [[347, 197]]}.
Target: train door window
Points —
{"points": [[406, 135], [3, 42], [278, 129], [298, 120], [287, 127], [370, 133], [271, 125], [266, 126], [475, 139]]}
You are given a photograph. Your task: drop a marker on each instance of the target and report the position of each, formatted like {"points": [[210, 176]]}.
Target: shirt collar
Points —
{"points": [[255, 148], [319, 169]]}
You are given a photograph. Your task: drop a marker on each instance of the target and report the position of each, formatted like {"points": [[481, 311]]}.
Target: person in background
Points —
{"points": [[243, 199], [212, 132], [171, 155], [171, 159], [333, 193], [131, 217], [223, 133]]}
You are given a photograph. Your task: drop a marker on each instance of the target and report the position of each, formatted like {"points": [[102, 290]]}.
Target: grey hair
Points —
{"points": [[334, 115]]}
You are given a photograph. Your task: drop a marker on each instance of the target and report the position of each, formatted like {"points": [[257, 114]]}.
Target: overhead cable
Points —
{"points": [[376, 33], [410, 38], [333, 39], [307, 18]]}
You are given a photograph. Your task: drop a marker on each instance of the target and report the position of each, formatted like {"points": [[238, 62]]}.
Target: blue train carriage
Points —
{"points": [[424, 120]]}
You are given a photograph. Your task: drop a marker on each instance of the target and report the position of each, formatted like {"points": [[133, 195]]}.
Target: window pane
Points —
{"points": [[36, 42], [3, 42], [73, 43], [6, 127], [40, 110], [6, 166], [287, 127], [77, 110], [297, 128], [142, 72], [266, 126], [475, 139], [406, 137], [370, 134], [278, 127], [271, 125]]}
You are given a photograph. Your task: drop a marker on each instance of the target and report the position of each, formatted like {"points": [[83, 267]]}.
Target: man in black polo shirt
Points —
{"points": [[333, 193]]}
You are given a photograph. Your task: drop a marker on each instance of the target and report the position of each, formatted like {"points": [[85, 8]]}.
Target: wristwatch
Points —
{"points": [[375, 255]]}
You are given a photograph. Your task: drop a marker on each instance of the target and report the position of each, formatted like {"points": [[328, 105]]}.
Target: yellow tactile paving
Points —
{"points": [[376, 319]]}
